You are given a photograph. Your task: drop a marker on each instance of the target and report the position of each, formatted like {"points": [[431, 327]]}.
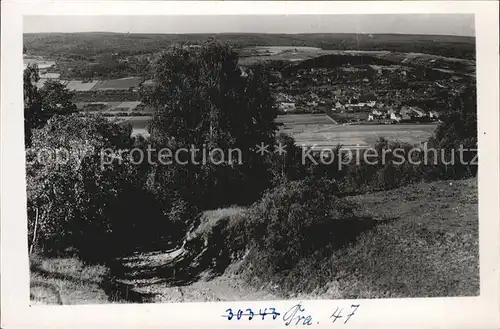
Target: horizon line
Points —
{"points": [[266, 33]]}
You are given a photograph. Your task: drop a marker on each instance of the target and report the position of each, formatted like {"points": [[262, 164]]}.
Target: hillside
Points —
{"points": [[418, 250], [426, 245], [88, 45]]}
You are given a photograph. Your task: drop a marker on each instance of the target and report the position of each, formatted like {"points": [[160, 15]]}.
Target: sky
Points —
{"points": [[443, 24]]}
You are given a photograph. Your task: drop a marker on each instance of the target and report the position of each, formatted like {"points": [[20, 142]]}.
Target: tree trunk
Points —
{"points": [[34, 231]]}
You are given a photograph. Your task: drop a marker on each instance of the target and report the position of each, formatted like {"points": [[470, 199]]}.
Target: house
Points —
{"points": [[376, 69], [406, 113], [371, 117], [396, 117], [287, 107], [243, 73], [313, 96], [50, 76], [377, 113], [433, 114], [282, 97], [418, 112], [339, 105]]}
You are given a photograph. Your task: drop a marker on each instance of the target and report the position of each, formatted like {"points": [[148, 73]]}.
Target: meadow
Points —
{"points": [[319, 130], [119, 84]]}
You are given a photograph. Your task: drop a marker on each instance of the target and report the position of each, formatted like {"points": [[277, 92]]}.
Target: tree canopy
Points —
{"points": [[201, 98], [40, 104]]}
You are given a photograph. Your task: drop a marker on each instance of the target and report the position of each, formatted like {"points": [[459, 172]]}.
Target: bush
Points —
{"points": [[83, 204], [296, 222]]}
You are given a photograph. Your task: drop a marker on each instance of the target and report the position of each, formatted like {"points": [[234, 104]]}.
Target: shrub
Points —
{"points": [[293, 222], [80, 203]]}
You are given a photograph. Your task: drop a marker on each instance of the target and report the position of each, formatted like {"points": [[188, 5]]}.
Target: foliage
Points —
{"points": [[201, 100], [74, 201], [302, 217], [56, 99], [42, 104], [457, 130], [32, 101]]}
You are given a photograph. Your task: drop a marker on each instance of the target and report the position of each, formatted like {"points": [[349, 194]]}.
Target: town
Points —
{"points": [[387, 93]]}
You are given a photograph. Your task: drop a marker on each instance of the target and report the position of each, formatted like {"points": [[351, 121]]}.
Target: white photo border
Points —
{"points": [[456, 312]]}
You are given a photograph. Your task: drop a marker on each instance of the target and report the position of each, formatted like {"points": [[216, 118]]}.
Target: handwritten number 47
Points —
{"points": [[337, 314]]}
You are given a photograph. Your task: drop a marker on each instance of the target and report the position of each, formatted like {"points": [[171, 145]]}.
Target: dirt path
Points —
{"points": [[164, 277]]}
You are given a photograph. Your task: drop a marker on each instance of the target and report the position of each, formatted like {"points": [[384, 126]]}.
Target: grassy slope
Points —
{"points": [[66, 281], [427, 246]]}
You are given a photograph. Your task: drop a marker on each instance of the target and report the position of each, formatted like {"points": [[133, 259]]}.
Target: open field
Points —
{"points": [[39, 61], [451, 65], [78, 85], [127, 106], [359, 135], [139, 124], [119, 84], [304, 119], [108, 106], [319, 130]]}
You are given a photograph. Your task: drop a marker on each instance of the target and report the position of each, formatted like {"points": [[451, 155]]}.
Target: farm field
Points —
{"points": [[118, 84], [354, 136], [304, 119], [139, 124], [253, 55], [41, 62], [318, 131], [78, 85]]}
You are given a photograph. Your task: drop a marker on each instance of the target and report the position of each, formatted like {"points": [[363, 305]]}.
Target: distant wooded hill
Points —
{"points": [[89, 46]]}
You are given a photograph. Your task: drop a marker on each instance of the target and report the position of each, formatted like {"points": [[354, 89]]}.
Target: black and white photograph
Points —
{"points": [[284, 163], [316, 157]]}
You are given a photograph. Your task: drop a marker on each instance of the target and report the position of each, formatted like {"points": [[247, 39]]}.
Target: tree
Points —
{"points": [[202, 99], [42, 104], [32, 101], [72, 198], [56, 99], [458, 129], [459, 125]]}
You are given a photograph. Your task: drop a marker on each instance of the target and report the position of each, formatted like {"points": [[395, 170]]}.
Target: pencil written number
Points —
{"points": [[295, 316]]}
